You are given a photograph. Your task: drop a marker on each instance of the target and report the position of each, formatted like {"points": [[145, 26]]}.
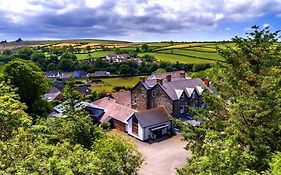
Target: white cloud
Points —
{"points": [[127, 16]]}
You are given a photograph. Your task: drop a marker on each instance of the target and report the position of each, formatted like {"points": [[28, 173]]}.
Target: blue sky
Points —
{"points": [[135, 20]]}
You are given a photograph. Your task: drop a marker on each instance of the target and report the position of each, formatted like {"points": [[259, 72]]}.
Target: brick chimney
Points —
{"points": [[142, 79], [169, 77], [160, 81], [207, 82], [182, 74]]}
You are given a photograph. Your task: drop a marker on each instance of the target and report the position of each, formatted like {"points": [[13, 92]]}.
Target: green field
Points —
{"points": [[177, 58], [96, 54], [108, 84], [191, 53]]}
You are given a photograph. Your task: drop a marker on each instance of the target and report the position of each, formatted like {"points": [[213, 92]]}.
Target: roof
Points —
{"points": [[84, 89], [51, 96], [114, 110], [80, 72], [175, 74], [123, 98], [175, 88], [152, 117], [54, 90], [52, 73]]}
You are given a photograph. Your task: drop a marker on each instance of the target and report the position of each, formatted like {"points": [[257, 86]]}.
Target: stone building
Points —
{"points": [[173, 90]]}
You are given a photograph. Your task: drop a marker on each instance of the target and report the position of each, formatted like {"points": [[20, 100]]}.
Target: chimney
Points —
{"points": [[169, 77], [207, 82], [142, 79], [182, 74], [160, 81]]}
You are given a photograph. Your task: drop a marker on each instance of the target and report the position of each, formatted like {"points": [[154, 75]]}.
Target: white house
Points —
{"points": [[149, 124]]}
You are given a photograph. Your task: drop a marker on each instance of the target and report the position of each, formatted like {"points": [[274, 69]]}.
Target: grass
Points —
{"points": [[185, 45], [108, 84], [96, 54], [191, 53], [177, 58], [203, 49]]}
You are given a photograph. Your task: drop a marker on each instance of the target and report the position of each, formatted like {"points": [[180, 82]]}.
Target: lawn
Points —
{"points": [[108, 84], [177, 58], [96, 54], [191, 53]]}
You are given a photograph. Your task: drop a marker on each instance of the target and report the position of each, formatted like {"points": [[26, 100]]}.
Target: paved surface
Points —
{"points": [[162, 158]]}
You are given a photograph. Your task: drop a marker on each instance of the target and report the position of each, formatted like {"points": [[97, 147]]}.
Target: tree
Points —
{"points": [[145, 48], [68, 56], [29, 80], [88, 49], [160, 70], [39, 58], [118, 155], [24, 53], [12, 113], [66, 65], [240, 129]]}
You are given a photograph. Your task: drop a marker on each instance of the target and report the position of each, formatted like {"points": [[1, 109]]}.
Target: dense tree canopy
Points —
{"points": [[61, 145], [240, 130], [29, 80]]}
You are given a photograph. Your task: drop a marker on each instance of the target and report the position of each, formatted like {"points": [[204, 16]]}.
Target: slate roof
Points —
{"points": [[114, 110], [175, 88], [175, 75], [84, 89], [52, 94], [152, 117], [123, 98]]}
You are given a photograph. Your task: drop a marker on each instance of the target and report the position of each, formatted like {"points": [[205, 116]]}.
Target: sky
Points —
{"points": [[135, 20]]}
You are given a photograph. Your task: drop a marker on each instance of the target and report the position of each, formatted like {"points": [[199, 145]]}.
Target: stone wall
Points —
{"points": [[178, 104], [160, 99], [139, 97]]}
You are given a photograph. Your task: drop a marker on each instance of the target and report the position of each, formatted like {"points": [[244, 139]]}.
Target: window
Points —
{"points": [[193, 94], [181, 97], [182, 109], [135, 120], [153, 93]]}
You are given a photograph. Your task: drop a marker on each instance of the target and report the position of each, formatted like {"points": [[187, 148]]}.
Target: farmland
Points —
{"points": [[107, 84], [187, 53]]}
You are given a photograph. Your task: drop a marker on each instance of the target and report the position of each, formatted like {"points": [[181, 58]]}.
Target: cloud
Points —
{"points": [[103, 18]]}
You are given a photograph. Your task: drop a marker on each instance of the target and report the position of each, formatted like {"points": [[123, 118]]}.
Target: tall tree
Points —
{"points": [[29, 80], [12, 112], [240, 129]]}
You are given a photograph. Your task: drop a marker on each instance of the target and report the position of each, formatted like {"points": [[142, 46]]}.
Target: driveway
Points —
{"points": [[162, 158]]}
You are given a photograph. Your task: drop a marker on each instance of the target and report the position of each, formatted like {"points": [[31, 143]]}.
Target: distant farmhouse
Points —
{"points": [[122, 58], [101, 74], [79, 74], [54, 74]]}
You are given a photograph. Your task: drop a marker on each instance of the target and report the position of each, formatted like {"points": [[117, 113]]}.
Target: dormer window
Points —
{"points": [[182, 97], [193, 94]]}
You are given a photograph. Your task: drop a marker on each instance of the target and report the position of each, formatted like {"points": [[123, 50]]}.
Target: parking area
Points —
{"points": [[163, 157]]}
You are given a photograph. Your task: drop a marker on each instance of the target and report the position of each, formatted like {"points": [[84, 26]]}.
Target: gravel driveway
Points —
{"points": [[162, 158]]}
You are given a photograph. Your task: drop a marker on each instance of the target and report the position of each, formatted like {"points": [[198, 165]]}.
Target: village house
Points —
{"points": [[101, 74], [142, 125], [79, 74], [173, 90], [53, 94], [52, 74]]}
